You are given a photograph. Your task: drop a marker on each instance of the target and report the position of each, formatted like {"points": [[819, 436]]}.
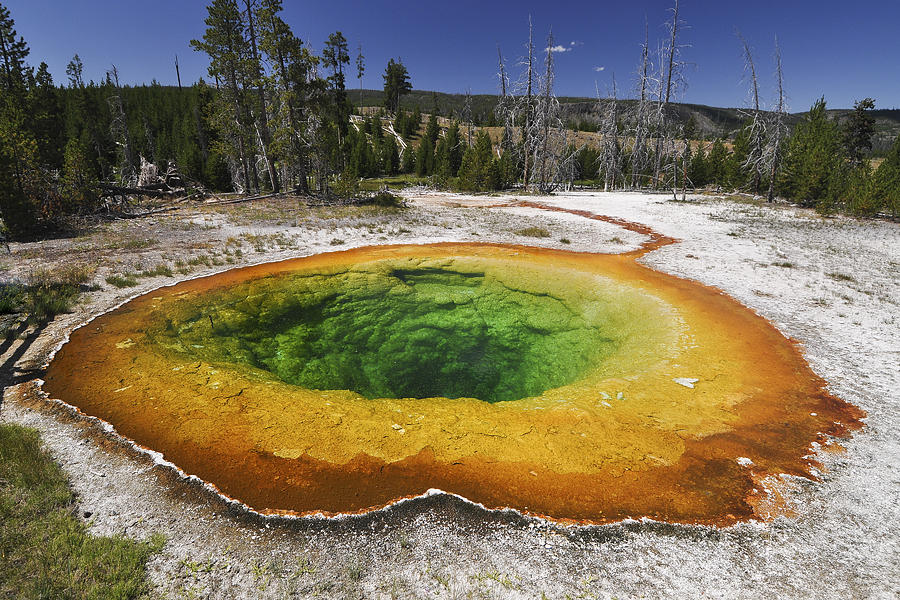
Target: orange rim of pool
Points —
{"points": [[578, 387]]}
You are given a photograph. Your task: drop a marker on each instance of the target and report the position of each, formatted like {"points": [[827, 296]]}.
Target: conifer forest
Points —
{"points": [[275, 116]]}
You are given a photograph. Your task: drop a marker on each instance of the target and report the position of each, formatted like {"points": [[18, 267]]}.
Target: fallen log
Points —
{"points": [[116, 190]]}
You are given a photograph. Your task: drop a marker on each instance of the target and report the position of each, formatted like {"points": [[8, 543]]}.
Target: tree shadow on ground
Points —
{"points": [[10, 374]]}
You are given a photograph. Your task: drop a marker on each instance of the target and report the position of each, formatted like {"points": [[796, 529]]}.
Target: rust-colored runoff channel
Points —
{"points": [[694, 402]]}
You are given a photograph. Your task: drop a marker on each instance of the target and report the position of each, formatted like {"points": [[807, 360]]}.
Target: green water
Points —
{"points": [[400, 330]]}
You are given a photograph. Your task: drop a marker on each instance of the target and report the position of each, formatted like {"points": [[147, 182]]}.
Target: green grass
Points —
{"points": [[122, 281], [537, 232], [47, 292], [45, 551], [160, 270], [841, 276], [12, 298]]}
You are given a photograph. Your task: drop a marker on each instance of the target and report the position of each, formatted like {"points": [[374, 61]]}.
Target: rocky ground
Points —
{"points": [[832, 284]]}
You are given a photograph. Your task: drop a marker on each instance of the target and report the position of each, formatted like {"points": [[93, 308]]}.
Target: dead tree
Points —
{"points": [[610, 156], [671, 80], [506, 108], [546, 107], [777, 130], [756, 127], [118, 130], [641, 120], [502, 73], [545, 131], [529, 107], [467, 117]]}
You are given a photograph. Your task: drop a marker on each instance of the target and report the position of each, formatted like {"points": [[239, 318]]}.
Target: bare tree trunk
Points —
{"points": [[672, 48], [672, 74], [660, 125], [467, 117], [238, 114], [640, 130], [609, 142], [756, 141], [502, 73], [526, 141], [263, 133], [778, 129], [548, 92]]}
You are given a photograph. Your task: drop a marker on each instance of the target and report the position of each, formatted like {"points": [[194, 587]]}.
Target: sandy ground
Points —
{"points": [[831, 284]]}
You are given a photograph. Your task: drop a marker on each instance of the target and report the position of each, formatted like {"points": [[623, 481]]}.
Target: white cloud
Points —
{"points": [[598, 69], [576, 43], [560, 49]]}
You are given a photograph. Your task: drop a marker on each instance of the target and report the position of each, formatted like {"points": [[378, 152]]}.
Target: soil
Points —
{"points": [[831, 284]]}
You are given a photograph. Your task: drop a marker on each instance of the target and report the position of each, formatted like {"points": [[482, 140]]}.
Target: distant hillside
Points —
{"points": [[584, 113]]}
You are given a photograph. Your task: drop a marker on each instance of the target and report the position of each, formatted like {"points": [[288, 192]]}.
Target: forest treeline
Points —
{"points": [[274, 116]]}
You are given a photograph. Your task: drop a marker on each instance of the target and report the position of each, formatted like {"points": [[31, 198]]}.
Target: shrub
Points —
{"points": [[122, 281], [385, 198], [538, 232]]}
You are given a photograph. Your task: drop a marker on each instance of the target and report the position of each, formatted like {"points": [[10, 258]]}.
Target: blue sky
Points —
{"points": [[837, 49]]}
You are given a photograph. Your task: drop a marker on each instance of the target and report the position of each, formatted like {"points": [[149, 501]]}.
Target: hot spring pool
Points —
{"points": [[552, 382]]}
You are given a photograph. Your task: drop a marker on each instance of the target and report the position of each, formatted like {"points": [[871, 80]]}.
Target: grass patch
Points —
{"points": [[536, 232], [131, 244], [45, 551], [565, 241], [12, 297], [336, 242], [47, 291], [122, 281], [160, 270], [387, 199], [783, 264], [841, 277]]}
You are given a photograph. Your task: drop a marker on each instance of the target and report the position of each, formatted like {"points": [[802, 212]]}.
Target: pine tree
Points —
{"points": [[716, 163], [335, 55], [858, 131], [360, 70], [295, 94], [886, 183], [698, 170], [412, 124], [813, 166], [18, 148], [396, 84], [479, 170], [737, 172], [227, 48], [13, 52], [408, 162], [79, 185], [390, 157], [45, 115], [425, 153]]}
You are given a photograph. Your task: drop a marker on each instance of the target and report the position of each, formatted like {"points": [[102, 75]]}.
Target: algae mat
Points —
{"points": [[574, 386]]}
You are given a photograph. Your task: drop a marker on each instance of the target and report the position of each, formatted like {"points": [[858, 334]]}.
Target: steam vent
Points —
{"points": [[578, 387]]}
